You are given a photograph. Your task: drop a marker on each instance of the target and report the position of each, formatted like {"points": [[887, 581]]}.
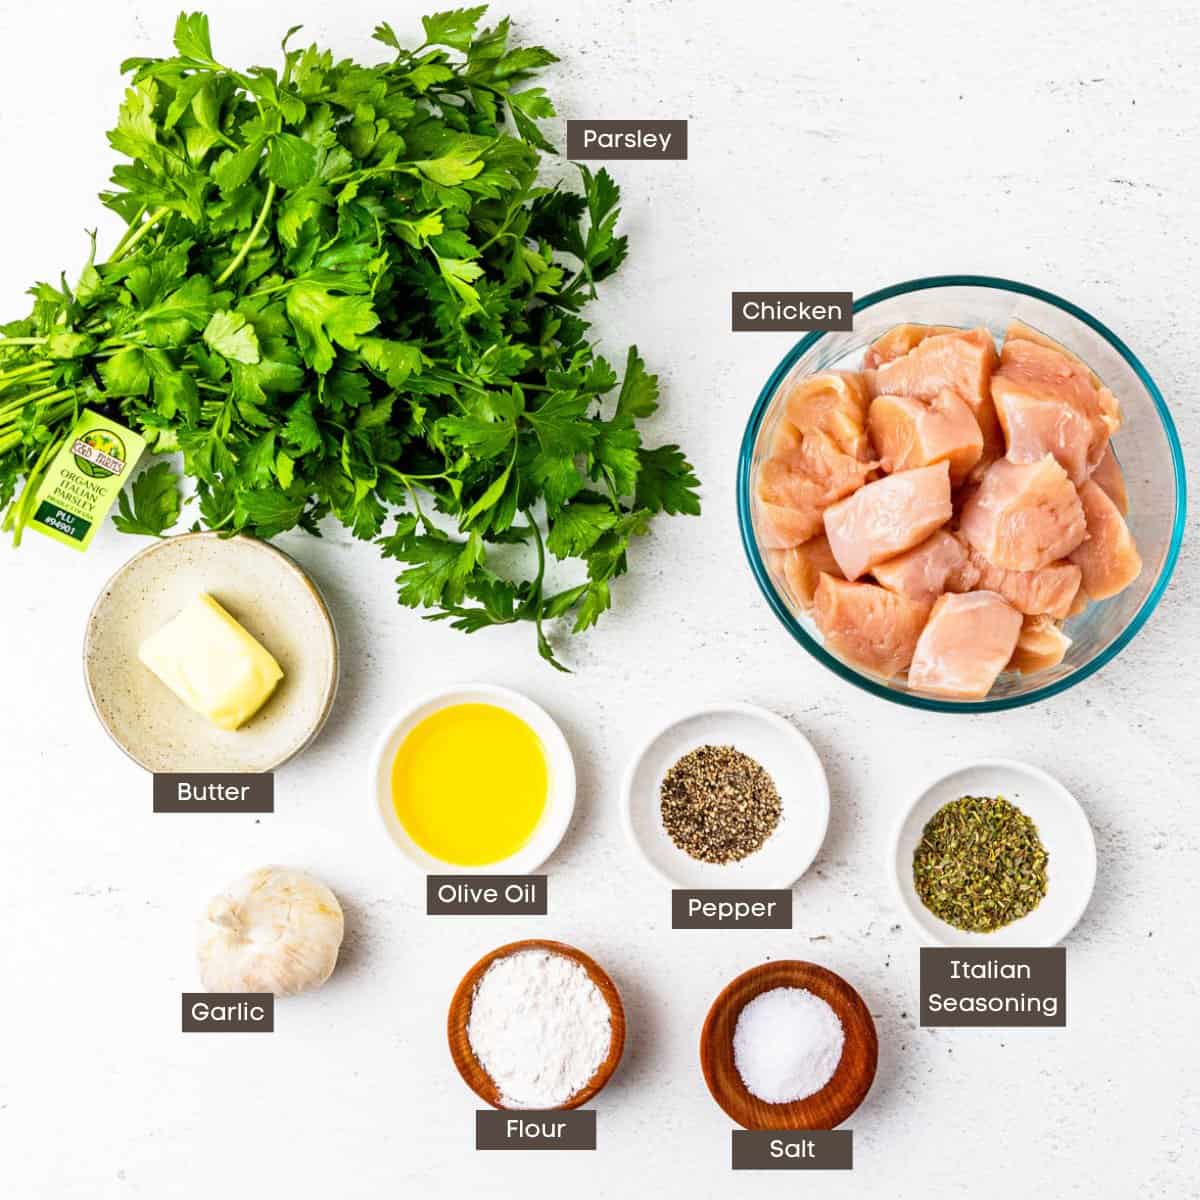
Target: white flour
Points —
{"points": [[540, 1027], [787, 1044]]}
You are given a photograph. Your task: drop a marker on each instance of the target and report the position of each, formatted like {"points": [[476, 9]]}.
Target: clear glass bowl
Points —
{"points": [[1146, 446]]}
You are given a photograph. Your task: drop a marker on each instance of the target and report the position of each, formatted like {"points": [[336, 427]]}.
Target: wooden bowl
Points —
{"points": [[471, 1069], [825, 1109]]}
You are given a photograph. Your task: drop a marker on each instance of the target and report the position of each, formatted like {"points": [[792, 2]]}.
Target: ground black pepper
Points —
{"points": [[718, 804]]}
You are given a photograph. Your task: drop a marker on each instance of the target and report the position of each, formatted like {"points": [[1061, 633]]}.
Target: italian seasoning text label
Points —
{"points": [[998, 988]]}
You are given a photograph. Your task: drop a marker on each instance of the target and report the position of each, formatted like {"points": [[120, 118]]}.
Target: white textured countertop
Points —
{"points": [[832, 146]]}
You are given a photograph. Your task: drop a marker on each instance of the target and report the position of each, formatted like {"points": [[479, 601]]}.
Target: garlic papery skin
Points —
{"points": [[275, 930]]}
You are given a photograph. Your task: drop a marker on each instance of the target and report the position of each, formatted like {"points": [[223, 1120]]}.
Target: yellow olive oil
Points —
{"points": [[469, 784]]}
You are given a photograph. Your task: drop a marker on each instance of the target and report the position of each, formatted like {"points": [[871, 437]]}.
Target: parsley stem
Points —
{"points": [[133, 224], [252, 237], [22, 341], [19, 510], [124, 246], [405, 476], [14, 406], [7, 378]]}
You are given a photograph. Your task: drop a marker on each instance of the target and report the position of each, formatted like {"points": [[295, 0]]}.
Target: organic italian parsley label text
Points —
{"points": [[84, 479]]}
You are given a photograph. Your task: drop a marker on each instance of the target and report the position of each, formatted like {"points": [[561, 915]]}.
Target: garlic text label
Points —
{"points": [[486, 895], [748, 909], [228, 1012], [793, 1150], [788, 312], [213, 793], [996, 988], [627, 139], [535, 1129]]}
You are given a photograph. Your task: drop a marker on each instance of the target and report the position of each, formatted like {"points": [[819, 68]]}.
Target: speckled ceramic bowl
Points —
{"points": [[269, 594]]}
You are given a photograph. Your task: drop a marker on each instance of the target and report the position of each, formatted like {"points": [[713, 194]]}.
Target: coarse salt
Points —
{"points": [[787, 1044], [540, 1028]]}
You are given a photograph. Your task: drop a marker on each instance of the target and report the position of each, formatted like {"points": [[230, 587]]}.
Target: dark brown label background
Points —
{"points": [[259, 795], [742, 323], [677, 148], [497, 1129], [780, 916], [196, 1024], [825, 1150], [1048, 977], [476, 905]]}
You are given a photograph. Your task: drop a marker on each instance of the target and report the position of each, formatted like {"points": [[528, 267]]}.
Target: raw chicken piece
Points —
{"points": [[966, 643], [1050, 589], [1024, 515], [785, 439], [887, 517], [834, 404], [802, 567], [1040, 644], [870, 627], [778, 528], [962, 361], [1108, 478], [1047, 404], [899, 340], [1080, 603], [1018, 331], [1109, 558], [939, 564], [794, 489], [908, 432]]}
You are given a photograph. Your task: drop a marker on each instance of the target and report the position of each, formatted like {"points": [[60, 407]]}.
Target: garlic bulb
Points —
{"points": [[274, 930]]}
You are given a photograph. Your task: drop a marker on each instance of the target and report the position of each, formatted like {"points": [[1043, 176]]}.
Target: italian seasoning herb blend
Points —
{"points": [[980, 864], [718, 804]]}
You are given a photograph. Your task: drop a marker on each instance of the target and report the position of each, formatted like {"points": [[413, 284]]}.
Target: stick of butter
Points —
{"points": [[212, 664]]}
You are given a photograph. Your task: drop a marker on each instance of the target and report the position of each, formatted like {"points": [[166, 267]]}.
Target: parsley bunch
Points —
{"points": [[343, 289]]}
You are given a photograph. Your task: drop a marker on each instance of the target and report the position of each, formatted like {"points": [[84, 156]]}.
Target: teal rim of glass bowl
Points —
{"points": [[876, 687]]}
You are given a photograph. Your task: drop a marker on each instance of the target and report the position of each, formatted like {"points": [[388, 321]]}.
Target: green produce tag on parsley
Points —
{"points": [[84, 479]]}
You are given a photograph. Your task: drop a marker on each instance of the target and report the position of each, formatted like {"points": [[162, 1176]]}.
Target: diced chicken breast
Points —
{"points": [[870, 627], [887, 517], [1080, 603], [908, 432], [1050, 589], [962, 361], [1040, 644], [966, 643], [939, 564], [778, 528], [794, 489], [1024, 515], [803, 566], [1108, 478], [1109, 559], [899, 340], [834, 404], [785, 440], [1047, 404], [1018, 331]]}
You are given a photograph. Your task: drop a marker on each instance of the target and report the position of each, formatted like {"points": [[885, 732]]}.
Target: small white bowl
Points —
{"points": [[1062, 827], [560, 798], [787, 756]]}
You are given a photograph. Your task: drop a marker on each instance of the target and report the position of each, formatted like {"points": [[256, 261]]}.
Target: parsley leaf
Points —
{"points": [[151, 504]]}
